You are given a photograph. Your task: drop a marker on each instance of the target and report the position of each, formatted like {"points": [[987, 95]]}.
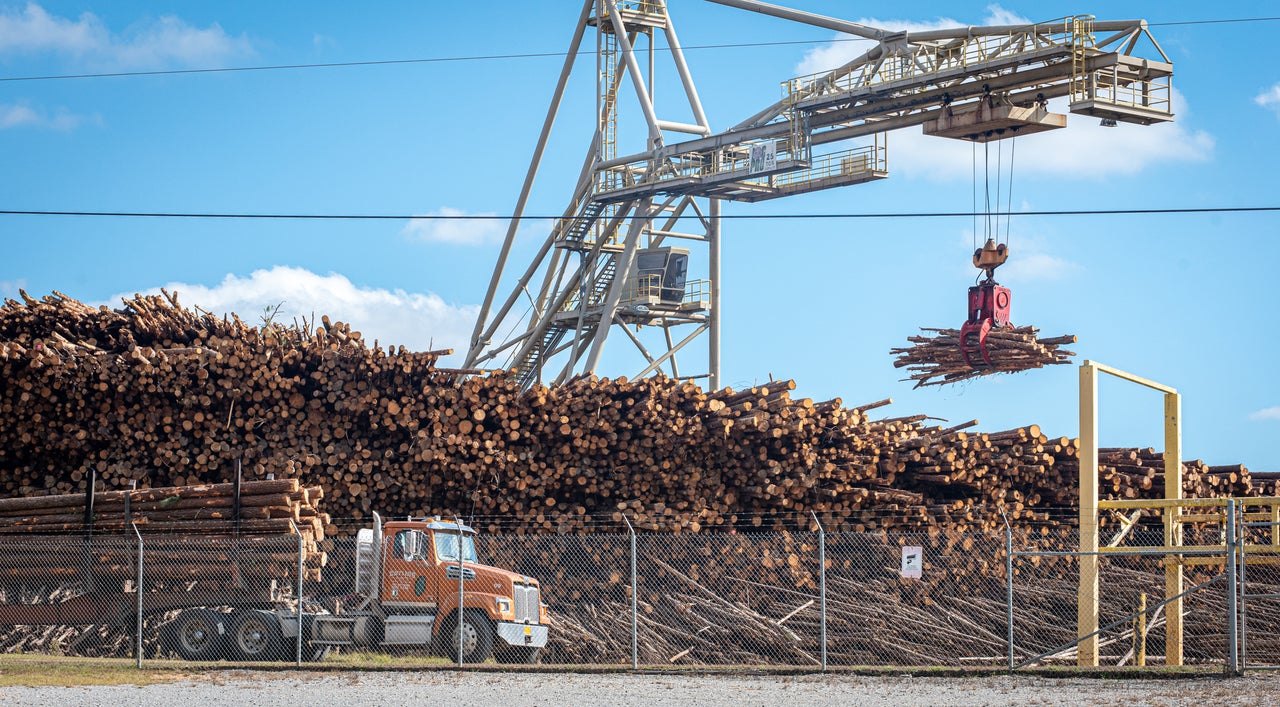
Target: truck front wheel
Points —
{"points": [[477, 638]]}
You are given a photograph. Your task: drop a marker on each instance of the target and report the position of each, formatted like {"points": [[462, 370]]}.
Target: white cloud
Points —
{"points": [[1083, 150], [997, 15], [155, 43], [16, 115], [1271, 413], [1269, 98], [1031, 254], [471, 230], [417, 321], [1037, 267], [22, 115], [9, 288]]}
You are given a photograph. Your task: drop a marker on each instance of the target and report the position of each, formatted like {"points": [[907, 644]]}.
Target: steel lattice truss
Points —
{"points": [[618, 259]]}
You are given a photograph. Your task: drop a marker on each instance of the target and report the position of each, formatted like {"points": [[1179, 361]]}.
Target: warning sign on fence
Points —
{"points": [[912, 562]]}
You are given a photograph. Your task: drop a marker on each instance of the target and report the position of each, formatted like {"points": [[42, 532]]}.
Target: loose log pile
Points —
{"points": [[690, 613], [935, 358]]}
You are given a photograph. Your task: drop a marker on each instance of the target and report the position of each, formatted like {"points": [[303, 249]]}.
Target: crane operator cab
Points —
{"points": [[660, 275], [988, 306]]}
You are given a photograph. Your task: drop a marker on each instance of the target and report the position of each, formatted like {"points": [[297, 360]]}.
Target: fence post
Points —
{"points": [[1233, 655], [635, 648], [822, 587], [1243, 625], [1008, 585], [138, 590], [298, 595], [462, 578]]}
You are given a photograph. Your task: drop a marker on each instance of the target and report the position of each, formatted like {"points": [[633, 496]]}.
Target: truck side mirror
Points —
{"points": [[412, 548]]}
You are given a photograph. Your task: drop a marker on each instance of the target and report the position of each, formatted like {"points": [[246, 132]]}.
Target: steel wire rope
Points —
{"points": [[999, 184], [974, 153], [1008, 221]]}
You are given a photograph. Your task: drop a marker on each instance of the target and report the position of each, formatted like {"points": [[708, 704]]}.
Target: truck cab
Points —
{"points": [[415, 574]]}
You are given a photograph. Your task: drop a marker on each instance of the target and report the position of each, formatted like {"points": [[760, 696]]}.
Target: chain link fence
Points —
{"points": [[617, 597]]}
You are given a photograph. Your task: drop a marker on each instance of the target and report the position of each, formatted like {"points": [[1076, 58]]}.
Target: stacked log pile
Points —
{"points": [[159, 395], [269, 507], [203, 533], [935, 358]]}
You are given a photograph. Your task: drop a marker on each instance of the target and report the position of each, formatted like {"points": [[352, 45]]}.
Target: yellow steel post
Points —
{"points": [[1087, 605], [1140, 633], [1172, 527]]}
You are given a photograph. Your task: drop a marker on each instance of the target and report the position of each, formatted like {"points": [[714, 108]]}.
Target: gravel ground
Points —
{"points": [[562, 689]]}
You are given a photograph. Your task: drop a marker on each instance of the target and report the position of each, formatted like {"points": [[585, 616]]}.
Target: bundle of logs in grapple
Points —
{"points": [[937, 358], [160, 395], [203, 532]]}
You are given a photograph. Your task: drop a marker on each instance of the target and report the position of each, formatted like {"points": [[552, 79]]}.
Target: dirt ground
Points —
{"points": [[614, 690]]}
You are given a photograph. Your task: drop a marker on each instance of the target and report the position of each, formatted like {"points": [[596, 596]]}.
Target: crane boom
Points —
{"points": [[609, 261]]}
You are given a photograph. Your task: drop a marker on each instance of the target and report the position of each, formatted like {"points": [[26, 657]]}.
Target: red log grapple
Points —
{"points": [[988, 309], [988, 305]]}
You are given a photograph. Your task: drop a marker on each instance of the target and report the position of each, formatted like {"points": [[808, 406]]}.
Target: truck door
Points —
{"points": [[407, 584]]}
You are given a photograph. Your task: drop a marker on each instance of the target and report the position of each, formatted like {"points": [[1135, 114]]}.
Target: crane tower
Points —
{"points": [[637, 250]]}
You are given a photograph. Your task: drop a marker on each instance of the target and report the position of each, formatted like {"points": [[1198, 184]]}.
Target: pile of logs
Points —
{"points": [[206, 533], [936, 358], [269, 507], [159, 395], [156, 395]]}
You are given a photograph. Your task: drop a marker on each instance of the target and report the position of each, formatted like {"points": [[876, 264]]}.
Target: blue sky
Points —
{"points": [[1187, 300]]}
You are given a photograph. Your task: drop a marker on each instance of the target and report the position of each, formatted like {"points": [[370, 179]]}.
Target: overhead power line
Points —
{"points": [[498, 57], [724, 217]]}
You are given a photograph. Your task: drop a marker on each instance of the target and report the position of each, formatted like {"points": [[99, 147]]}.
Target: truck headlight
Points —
{"points": [[502, 604], [542, 614]]}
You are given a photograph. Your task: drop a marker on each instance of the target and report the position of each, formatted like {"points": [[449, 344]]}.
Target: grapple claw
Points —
{"points": [[988, 309]]}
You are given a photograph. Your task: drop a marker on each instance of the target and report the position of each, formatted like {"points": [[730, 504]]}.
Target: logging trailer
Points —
{"points": [[411, 576]]}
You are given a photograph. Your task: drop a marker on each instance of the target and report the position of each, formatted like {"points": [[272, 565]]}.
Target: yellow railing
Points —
{"points": [[1260, 509], [697, 295], [648, 289]]}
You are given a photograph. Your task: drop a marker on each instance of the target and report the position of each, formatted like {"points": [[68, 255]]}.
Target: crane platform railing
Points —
{"points": [[869, 160], [649, 290], [922, 64], [1120, 91]]}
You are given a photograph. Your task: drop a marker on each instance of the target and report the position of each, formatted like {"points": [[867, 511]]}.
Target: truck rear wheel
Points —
{"points": [[256, 636], [196, 634]]}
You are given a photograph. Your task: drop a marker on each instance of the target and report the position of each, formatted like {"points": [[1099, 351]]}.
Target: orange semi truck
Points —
{"points": [[411, 578]]}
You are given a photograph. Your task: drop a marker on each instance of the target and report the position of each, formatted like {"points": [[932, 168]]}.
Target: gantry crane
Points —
{"points": [[611, 261]]}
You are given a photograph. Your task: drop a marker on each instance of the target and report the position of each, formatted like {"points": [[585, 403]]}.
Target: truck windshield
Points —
{"points": [[447, 547]]}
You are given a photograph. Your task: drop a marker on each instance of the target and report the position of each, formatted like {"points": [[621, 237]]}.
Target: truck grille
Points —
{"points": [[525, 603]]}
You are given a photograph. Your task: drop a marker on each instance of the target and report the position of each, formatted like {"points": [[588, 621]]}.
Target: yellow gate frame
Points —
{"points": [[1087, 608]]}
